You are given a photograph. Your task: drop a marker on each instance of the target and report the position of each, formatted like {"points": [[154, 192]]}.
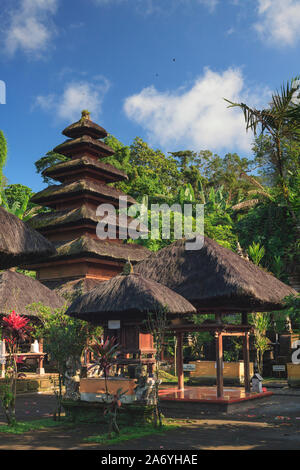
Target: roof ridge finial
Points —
{"points": [[85, 114], [128, 268]]}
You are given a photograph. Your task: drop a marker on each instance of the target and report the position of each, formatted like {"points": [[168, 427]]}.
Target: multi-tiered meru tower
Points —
{"points": [[82, 259]]}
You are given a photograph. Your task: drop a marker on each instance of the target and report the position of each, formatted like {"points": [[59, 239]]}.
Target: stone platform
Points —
{"points": [[192, 401], [35, 383]]}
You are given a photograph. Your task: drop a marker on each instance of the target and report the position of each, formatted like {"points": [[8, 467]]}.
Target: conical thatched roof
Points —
{"points": [[215, 279], [85, 127], [18, 291], [19, 243], [128, 297]]}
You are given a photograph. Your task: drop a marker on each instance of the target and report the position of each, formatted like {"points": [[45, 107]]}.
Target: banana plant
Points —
{"points": [[256, 252], [19, 210]]}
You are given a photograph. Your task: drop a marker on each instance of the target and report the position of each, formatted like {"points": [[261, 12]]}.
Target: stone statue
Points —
{"points": [[72, 378], [145, 389]]}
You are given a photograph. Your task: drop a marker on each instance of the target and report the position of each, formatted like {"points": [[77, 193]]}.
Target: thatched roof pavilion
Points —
{"points": [[18, 291], [19, 243], [128, 297], [214, 279]]}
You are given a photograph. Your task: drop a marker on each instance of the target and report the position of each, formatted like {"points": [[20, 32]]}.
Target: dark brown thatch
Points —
{"points": [[19, 243], [215, 279], [80, 187], [85, 142], [61, 171], [85, 127], [70, 289], [89, 247], [128, 297], [18, 291], [84, 215]]}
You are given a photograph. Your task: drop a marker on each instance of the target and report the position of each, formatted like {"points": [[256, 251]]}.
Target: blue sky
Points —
{"points": [[157, 69]]}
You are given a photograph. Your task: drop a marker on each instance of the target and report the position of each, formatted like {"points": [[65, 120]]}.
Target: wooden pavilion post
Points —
{"points": [[246, 354], [219, 362], [179, 361]]}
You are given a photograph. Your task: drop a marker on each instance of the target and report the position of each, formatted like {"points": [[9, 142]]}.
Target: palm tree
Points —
{"points": [[281, 120], [3, 155]]}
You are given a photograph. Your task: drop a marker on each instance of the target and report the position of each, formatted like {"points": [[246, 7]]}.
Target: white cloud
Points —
{"points": [[75, 97], [211, 4], [279, 21], [29, 26], [197, 117], [152, 6]]}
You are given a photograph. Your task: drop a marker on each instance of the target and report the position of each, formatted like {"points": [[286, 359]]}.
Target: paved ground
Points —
{"points": [[273, 425]]}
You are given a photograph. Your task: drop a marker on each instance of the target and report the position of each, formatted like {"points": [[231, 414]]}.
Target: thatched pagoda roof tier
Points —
{"points": [[82, 166], [18, 291], [93, 248], [85, 127], [128, 297], [83, 215], [214, 279], [101, 191], [82, 144], [19, 243]]}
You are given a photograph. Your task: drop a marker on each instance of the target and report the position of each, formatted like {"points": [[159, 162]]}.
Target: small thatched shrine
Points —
{"points": [[82, 259], [122, 305], [22, 294], [18, 291]]}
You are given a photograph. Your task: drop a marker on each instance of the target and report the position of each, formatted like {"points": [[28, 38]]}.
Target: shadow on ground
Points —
{"points": [[273, 425]]}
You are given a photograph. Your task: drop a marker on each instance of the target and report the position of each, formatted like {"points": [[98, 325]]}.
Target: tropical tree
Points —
{"points": [[51, 158], [65, 340], [15, 331], [280, 121], [3, 156]]}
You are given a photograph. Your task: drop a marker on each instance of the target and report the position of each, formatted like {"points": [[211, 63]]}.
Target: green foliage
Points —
{"points": [[269, 226], [51, 158], [3, 155], [64, 338], [23, 427], [261, 323], [256, 253], [129, 433], [280, 123], [291, 313], [15, 198]]}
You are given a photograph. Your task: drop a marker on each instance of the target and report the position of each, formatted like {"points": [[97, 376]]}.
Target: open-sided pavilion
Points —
{"points": [[216, 281]]}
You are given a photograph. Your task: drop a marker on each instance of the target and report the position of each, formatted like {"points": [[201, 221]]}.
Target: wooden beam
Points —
{"points": [[179, 360], [246, 362], [219, 362], [224, 328]]}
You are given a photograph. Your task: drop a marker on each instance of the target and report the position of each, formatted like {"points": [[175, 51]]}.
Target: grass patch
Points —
{"points": [[129, 433], [26, 426], [167, 378]]}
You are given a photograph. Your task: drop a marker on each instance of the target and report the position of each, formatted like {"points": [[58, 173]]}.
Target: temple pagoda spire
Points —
{"points": [[82, 259]]}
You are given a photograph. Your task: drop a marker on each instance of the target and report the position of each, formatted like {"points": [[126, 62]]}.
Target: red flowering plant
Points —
{"points": [[15, 331], [105, 356]]}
